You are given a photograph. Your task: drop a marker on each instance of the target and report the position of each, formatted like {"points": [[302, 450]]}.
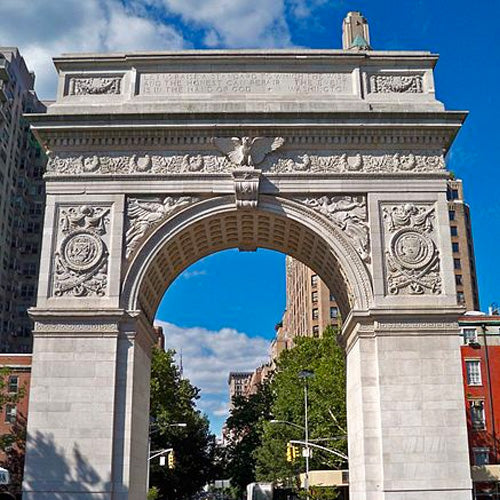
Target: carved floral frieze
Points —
{"points": [[284, 162], [143, 215], [96, 85], [349, 214], [81, 258], [396, 84], [412, 257]]}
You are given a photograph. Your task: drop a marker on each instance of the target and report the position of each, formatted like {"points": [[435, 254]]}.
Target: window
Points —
{"points": [[477, 414], [454, 230], [10, 414], [332, 298], [460, 297], [481, 456], [316, 331], [314, 296], [452, 214], [470, 335], [455, 247], [457, 264], [333, 312], [473, 370], [314, 280], [13, 384], [458, 279], [315, 313]]}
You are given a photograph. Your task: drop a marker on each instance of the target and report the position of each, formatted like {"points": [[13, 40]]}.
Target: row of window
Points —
{"points": [[334, 312]]}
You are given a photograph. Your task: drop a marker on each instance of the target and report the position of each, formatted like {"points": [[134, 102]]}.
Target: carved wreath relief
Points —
{"points": [[81, 260], [146, 214], [95, 86], [349, 214], [412, 258], [397, 84]]}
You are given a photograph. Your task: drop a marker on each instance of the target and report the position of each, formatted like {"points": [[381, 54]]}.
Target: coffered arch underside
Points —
{"points": [[215, 224]]}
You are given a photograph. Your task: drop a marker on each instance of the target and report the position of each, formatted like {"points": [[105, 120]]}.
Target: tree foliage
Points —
{"points": [[244, 426], [327, 408], [173, 401]]}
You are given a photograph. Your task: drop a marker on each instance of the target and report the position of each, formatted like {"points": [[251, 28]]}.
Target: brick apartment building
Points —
{"points": [[481, 371], [14, 415]]}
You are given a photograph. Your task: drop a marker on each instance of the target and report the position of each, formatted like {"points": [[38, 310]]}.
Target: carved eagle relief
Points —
{"points": [[246, 151]]}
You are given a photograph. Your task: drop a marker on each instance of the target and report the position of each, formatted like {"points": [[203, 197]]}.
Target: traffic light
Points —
{"points": [[292, 452], [171, 460]]}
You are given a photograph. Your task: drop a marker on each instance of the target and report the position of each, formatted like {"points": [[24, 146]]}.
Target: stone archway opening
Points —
{"points": [[247, 231]]}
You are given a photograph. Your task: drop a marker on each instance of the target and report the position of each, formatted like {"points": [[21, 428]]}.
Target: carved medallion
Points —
{"points": [[412, 258], [412, 249], [81, 261], [82, 250]]}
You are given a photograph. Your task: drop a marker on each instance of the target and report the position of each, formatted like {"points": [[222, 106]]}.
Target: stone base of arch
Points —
{"points": [[407, 432], [89, 406]]}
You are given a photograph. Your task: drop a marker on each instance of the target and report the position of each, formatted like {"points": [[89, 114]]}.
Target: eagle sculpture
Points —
{"points": [[246, 151]]}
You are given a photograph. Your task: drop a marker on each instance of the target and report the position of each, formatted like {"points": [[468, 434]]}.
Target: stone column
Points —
{"points": [[89, 400], [405, 403]]}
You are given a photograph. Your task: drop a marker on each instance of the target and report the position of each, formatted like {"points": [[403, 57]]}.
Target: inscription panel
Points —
{"points": [[173, 84]]}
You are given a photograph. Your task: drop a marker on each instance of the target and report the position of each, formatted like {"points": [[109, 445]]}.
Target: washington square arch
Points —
{"points": [[335, 157]]}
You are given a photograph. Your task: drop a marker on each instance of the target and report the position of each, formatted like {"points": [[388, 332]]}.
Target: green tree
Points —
{"points": [[327, 408], [173, 400], [244, 427], [13, 442]]}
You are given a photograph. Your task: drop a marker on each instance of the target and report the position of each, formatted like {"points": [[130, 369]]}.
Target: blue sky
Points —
{"points": [[210, 302]]}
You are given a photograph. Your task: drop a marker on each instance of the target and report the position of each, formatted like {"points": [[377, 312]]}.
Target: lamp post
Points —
{"points": [[305, 375], [151, 432]]}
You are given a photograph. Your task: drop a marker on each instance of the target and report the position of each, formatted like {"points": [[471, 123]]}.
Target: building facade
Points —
{"points": [[481, 373], [21, 202], [310, 306], [238, 384], [462, 243], [16, 380]]}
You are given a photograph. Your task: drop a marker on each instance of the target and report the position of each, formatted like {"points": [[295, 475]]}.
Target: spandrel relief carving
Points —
{"points": [[412, 257], [81, 258], [143, 215], [349, 214]]}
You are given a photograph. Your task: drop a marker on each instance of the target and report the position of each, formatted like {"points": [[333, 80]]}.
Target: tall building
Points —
{"points": [[463, 247], [481, 372], [310, 307], [21, 201], [238, 383]]}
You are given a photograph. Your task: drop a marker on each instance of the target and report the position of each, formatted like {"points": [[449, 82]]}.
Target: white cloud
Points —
{"points": [[235, 23], [209, 356], [193, 274], [46, 29]]}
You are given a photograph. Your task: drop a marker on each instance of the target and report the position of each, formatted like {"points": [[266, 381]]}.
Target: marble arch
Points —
{"points": [[157, 159]]}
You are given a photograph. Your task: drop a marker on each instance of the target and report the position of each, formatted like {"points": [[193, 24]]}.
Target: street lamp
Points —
{"points": [[305, 375], [156, 454]]}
